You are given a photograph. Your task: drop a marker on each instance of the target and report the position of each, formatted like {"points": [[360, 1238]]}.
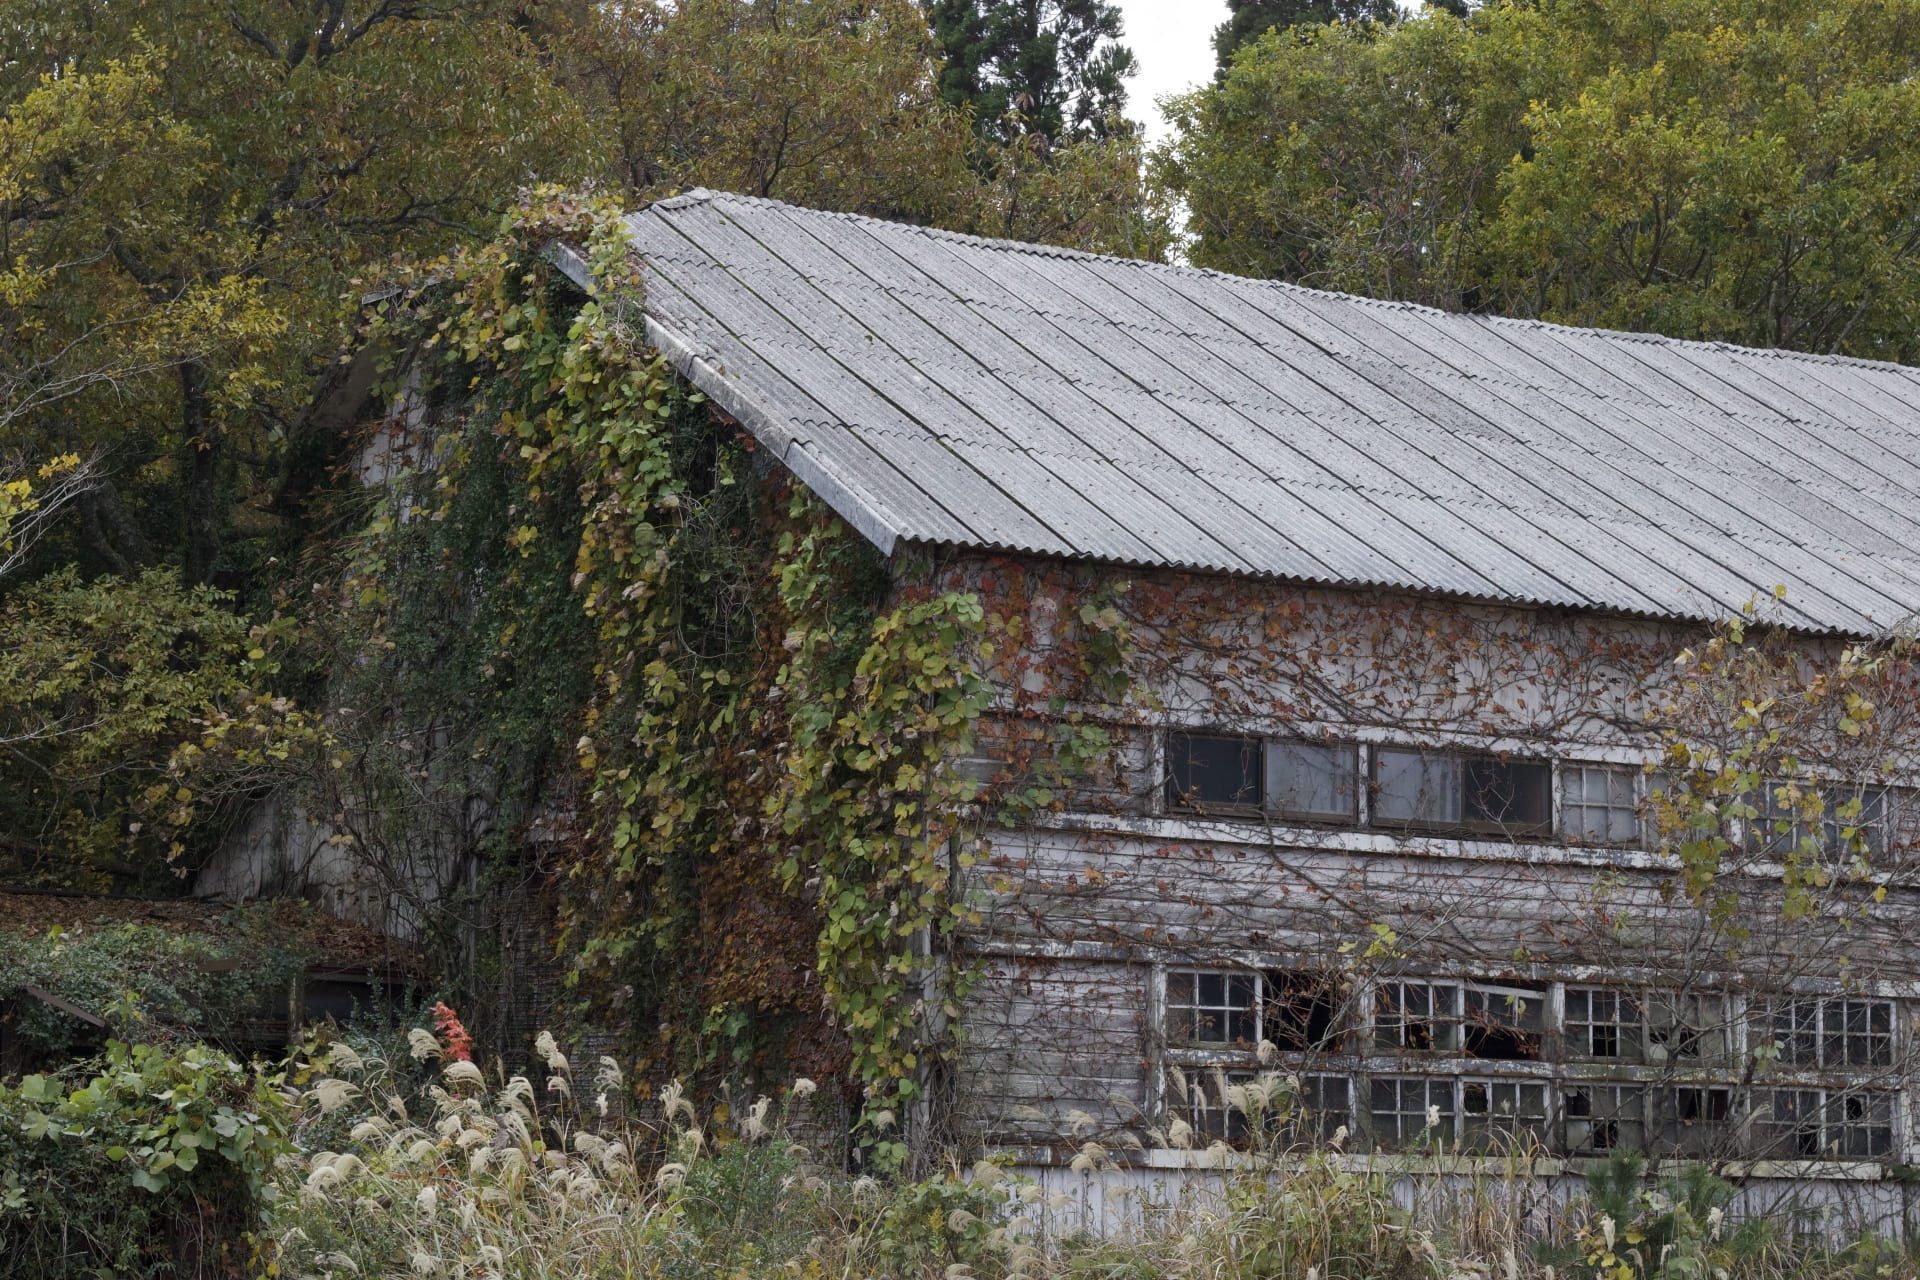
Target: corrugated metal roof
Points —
{"points": [[946, 389]]}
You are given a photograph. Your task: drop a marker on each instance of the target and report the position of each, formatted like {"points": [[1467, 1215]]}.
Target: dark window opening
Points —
{"points": [[1205, 772], [1504, 1024], [1508, 793], [1301, 1015], [1604, 1117]]}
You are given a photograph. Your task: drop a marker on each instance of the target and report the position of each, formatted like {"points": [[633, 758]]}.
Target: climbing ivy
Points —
{"points": [[771, 752]]}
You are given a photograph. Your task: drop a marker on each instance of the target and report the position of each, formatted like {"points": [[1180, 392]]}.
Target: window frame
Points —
{"points": [[1764, 1019], [1625, 1030], [1827, 1128], [1568, 772], [1266, 991], [1356, 783], [1682, 1106], [1202, 1102], [1545, 827]]}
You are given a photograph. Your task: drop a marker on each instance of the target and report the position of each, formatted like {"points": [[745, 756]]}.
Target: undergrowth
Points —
{"points": [[464, 1172]]}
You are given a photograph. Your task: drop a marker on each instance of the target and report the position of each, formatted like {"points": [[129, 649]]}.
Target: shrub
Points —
{"points": [[194, 984], [141, 1163]]}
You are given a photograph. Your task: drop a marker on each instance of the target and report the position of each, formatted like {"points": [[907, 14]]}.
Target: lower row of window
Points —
{"points": [[1415, 1113]]}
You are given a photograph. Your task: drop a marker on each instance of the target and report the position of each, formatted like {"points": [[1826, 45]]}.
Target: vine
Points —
{"points": [[772, 753]]}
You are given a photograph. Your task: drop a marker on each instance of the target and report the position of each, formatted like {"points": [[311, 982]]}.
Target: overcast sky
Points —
{"points": [[1173, 40]]}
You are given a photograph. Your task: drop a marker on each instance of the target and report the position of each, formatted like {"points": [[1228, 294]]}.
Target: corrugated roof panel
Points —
{"points": [[993, 394], [907, 462]]}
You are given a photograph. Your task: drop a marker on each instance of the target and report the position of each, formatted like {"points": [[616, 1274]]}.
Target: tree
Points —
{"points": [[188, 201], [1249, 19], [1051, 67], [127, 706], [1737, 171], [817, 105], [1345, 157], [797, 100]]}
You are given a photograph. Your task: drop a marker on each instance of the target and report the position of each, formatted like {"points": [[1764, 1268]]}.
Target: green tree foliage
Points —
{"points": [[1249, 19], [812, 103], [1052, 67], [189, 189], [195, 197], [833, 108], [1729, 170], [127, 708]]}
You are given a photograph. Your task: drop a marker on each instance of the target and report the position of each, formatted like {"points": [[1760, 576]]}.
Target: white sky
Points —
{"points": [[1173, 42]]}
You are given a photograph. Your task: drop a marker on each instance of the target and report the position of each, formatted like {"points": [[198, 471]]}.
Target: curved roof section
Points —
{"points": [[946, 389]]}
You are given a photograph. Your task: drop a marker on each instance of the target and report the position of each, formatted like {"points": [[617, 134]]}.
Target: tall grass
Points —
{"points": [[455, 1173]]}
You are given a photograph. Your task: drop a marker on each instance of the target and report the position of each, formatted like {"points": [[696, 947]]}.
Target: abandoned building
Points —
{"points": [[1408, 598], [1378, 816]]}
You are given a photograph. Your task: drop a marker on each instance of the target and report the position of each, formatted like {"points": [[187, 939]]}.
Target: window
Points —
{"points": [[1696, 1119], [1416, 1015], [1826, 1124], [1216, 1106], [1209, 1108], [1412, 787], [1410, 1110], [1209, 772], [1786, 819], [1311, 781], [1598, 804], [1326, 1105], [1504, 1023], [1299, 1014], [1213, 1008], [1480, 793], [1829, 1033], [1495, 1114], [1605, 1117], [1602, 1024], [1859, 1124], [1295, 1011], [1684, 1027]]}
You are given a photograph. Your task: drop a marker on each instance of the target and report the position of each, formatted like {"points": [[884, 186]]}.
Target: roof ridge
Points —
{"points": [[706, 195]]}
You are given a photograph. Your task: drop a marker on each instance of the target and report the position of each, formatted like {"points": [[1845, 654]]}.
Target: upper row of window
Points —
{"points": [[1467, 792]]}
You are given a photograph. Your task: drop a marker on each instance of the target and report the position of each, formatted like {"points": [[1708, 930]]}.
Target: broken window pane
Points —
{"points": [[1697, 1119], [1306, 780], [1510, 794], [1859, 1124], [1503, 1022], [1789, 1125], [1300, 1012], [1686, 1028], [1605, 1117], [1219, 771]]}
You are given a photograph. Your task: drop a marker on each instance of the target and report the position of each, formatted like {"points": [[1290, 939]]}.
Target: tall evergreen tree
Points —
{"points": [[1249, 19], [1057, 63]]}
